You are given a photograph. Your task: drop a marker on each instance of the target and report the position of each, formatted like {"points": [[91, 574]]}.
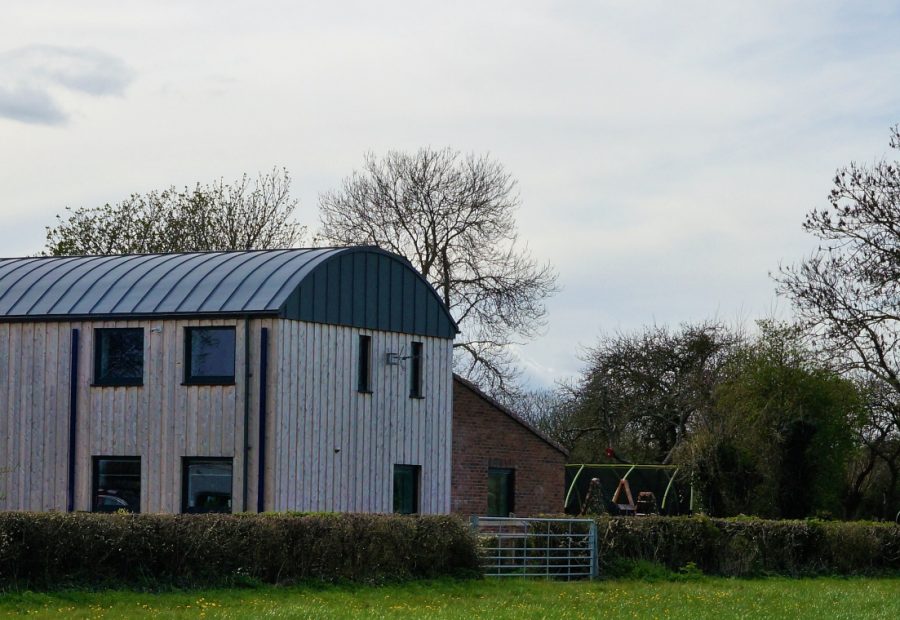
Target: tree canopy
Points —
{"points": [[243, 215]]}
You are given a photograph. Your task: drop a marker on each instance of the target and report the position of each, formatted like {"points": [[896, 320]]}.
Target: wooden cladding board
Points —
{"points": [[336, 447], [328, 447], [161, 421]]}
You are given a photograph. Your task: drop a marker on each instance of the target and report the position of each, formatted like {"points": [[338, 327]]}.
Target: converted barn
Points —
{"points": [[501, 464], [303, 379]]}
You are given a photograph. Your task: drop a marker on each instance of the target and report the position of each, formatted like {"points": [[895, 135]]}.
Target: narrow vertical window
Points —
{"points": [[501, 492], [415, 371], [206, 485], [117, 484], [406, 489], [364, 381]]}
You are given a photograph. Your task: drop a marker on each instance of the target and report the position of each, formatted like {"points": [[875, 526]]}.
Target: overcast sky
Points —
{"points": [[666, 152]]}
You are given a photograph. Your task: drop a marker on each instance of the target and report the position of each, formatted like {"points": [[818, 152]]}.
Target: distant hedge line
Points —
{"points": [[54, 550], [744, 547]]}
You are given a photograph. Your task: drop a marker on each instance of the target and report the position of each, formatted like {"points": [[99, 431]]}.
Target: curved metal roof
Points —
{"points": [[360, 286]]}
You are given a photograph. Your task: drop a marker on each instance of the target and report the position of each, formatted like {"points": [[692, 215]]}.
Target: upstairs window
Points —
{"points": [[364, 369], [209, 355], [119, 356], [501, 492], [406, 489], [415, 371]]}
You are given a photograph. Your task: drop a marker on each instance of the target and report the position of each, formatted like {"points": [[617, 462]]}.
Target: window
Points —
{"points": [[501, 492], [406, 489], [364, 381], [209, 355], [117, 484], [415, 371], [119, 356], [206, 485]]}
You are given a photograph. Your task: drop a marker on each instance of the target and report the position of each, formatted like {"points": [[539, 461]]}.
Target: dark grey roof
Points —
{"points": [[359, 286]]}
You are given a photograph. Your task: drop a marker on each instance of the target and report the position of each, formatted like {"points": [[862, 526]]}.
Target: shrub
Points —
{"points": [[743, 546], [53, 550]]}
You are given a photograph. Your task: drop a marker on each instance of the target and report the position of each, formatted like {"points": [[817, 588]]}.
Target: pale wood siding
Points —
{"points": [[161, 421], [34, 403], [335, 447]]}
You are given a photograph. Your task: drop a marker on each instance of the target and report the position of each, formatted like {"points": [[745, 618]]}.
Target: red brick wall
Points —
{"points": [[485, 436]]}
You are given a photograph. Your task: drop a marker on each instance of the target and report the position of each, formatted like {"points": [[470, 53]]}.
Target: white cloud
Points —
{"points": [[31, 75]]}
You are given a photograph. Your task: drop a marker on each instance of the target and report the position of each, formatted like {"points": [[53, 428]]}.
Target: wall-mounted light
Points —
{"points": [[392, 359]]}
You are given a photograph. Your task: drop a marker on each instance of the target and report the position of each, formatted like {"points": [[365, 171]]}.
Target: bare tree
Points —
{"points": [[452, 216], [848, 291], [641, 394], [243, 215]]}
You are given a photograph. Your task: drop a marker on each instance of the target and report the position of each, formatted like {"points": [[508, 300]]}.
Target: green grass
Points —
{"points": [[695, 597]]}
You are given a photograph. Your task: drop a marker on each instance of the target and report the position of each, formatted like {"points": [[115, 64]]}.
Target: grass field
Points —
{"points": [[822, 599]]}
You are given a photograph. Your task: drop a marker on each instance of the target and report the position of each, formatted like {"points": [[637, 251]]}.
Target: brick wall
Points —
{"points": [[484, 435]]}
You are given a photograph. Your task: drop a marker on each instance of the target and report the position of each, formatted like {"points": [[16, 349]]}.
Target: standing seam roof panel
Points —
{"points": [[186, 280], [35, 294], [122, 304], [363, 287]]}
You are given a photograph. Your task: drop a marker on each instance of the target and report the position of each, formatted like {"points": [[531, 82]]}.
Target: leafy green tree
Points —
{"points": [[219, 216], [846, 293], [780, 436]]}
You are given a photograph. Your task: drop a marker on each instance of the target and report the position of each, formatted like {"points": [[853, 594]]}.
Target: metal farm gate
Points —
{"points": [[546, 548]]}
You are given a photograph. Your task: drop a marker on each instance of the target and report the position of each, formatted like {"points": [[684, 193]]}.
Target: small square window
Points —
{"points": [[406, 489], [415, 370], [206, 486], [119, 356], [501, 492], [364, 380], [209, 355], [116, 484]]}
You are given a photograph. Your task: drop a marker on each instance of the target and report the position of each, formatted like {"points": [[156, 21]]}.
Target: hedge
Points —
{"points": [[54, 550], [743, 547]]}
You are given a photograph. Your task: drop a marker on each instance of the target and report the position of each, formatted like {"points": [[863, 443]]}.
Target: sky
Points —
{"points": [[665, 152]]}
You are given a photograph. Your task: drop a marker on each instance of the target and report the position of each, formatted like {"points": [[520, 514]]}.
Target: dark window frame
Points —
{"points": [[185, 475], [416, 363], [416, 471], [510, 499], [95, 480], [189, 377], [98, 379], [364, 365]]}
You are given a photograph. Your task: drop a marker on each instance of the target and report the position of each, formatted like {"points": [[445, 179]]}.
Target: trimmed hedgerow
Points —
{"points": [[53, 550], [747, 546]]}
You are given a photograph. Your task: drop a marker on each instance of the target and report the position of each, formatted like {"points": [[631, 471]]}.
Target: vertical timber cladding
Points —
{"points": [[161, 421], [34, 425], [336, 447]]}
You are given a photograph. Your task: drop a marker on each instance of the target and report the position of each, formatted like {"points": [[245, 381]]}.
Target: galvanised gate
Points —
{"points": [[546, 548]]}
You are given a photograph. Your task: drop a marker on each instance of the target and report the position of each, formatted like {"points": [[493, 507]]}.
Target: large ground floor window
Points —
{"points": [[116, 484], [206, 486], [406, 489], [501, 492]]}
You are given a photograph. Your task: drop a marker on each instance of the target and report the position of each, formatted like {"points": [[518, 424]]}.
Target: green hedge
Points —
{"points": [[53, 550], [747, 547]]}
